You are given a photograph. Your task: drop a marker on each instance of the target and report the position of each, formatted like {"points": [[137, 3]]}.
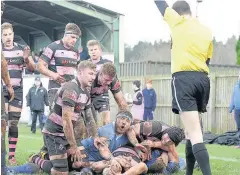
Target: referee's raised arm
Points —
{"points": [[161, 5]]}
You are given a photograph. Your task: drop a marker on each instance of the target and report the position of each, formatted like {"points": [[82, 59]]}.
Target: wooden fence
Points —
{"points": [[217, 119], [146, 68]]}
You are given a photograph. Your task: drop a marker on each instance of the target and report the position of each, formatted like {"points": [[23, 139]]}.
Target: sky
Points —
{"points": [[143, 21]]}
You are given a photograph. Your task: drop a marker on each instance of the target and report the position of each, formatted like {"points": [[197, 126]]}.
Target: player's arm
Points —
{"points": [[4, 71], [115, 88], [30, 65], [210, 53], [105, 152], [69, 98], [172, 153], [44, 61], [90, 122], [140, 168], [120, 100], [155, 144], [6, 77], [132, 137]]}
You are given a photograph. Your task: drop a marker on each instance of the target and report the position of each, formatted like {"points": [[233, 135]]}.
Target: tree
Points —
{"points": [[238, 51], [223, 53]]}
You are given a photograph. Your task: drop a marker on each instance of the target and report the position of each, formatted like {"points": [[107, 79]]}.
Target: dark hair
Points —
{"points": [[175, 133], [182, 7], [108, 69], [137, 83], [126, 113]]}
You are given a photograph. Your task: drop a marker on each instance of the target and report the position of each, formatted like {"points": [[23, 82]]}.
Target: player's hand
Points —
{"points": [[141, 147], [26, 53], [143, 156], [148, 143], [99, 140], [75, 154], [11, 92], [124, 161], [115, 166], [58, 78]]}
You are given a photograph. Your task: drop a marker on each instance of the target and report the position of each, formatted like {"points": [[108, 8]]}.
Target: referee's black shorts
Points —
{"points": [[190, 91]]}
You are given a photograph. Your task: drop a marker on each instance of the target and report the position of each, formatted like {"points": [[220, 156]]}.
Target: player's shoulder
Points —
{"points": [[55, 44], [75, 50], [103, 60], [18, 46]]}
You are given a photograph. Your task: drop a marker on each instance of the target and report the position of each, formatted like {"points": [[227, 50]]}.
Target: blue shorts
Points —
{"points": [[171, 168]]}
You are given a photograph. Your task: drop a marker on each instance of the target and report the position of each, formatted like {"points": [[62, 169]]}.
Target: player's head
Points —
{"points": [[86, 73], [115, 168], [173, 135], [136, 84], [7, 34], [182, 8], [71, 35], [94, 49], [123, 121], [107, 73]]}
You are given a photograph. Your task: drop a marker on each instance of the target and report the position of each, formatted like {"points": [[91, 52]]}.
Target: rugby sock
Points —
{"points": [[12, 138], [202, 157], [190, 159], [12, 141], [45, 165]]}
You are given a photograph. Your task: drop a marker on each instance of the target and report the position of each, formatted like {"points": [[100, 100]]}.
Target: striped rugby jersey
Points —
{"points": [[61, 60], [15, 60]]}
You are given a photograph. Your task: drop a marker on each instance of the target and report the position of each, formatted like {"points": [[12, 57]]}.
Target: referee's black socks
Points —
{"points": [[201, 154], [190, 159]]}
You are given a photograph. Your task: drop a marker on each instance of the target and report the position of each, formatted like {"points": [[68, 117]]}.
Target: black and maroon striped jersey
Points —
{"points": [[100, 63], [61, 60], [70, 94], [15, 60]]}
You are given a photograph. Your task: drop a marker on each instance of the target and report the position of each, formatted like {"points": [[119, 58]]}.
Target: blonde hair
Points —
{"points": [[6, 25], [93, 43], [86, 64]]}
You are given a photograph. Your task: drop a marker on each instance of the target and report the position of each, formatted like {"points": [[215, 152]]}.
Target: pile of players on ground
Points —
{"points": [[121, 147]]}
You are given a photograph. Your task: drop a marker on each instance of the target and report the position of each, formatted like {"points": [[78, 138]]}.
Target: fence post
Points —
{"points": [[213, 103]]}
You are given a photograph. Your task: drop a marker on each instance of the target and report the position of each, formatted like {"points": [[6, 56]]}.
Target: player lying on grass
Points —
{"points": [[114, 132], [160, 140]]}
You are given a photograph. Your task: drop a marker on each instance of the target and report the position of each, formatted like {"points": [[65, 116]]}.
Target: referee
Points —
{"points": [[192, 49]]}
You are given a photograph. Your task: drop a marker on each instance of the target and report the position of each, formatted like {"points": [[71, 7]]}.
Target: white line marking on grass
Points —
{"points": [[219, 158]]}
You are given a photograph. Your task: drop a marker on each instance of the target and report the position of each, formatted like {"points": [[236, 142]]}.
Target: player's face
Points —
{"points": [[105, 80], [7, 37], [166, 140], [94, 52], [87, 76], [71, 40], [122, 125]]}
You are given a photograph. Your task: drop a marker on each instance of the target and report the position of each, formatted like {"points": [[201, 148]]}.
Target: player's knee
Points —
{"points": [[13, 124], [59, 165], [14, 115]]}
